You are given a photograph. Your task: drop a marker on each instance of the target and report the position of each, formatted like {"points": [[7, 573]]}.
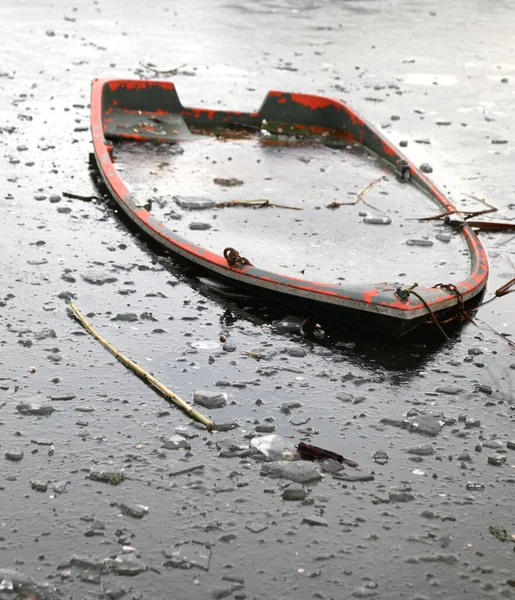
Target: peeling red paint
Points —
{"points": [[312, 102], [135, 84]]}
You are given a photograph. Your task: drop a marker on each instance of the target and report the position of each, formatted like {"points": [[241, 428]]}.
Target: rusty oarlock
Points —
{"points": [[233, 257], [402, 171]]}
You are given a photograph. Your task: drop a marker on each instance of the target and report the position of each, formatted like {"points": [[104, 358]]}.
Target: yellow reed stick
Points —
{"points": [[141, 372]]}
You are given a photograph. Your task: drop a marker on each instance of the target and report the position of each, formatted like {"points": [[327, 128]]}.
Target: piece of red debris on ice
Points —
{"points": [[309, 452]]}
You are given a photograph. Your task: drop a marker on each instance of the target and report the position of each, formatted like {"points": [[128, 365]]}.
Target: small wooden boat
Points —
{"points": [[216, 187]]}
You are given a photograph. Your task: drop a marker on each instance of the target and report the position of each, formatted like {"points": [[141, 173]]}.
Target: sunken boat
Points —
{"points": [[303, 202]]}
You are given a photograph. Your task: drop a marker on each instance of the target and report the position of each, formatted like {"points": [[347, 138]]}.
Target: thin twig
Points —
{"points": [[486, 302], [506, 242], [482, 200], [474, 213], [435, 217], [258, 202], [79, 197], [141, 372], [504, 290], [158, 72], [358, 199], [368, 188], [468, 213], [500, 334]]}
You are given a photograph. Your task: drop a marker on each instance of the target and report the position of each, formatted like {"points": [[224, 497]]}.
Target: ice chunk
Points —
{"points": [[194, 202], [299, 471], [276, 447], [376, 220]]}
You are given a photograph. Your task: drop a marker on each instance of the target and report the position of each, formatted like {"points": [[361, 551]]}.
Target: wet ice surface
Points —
{"points": [[435, 520], [183, 182]]}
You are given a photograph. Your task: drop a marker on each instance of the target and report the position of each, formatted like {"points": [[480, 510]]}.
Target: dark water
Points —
{"points": [[446, 70]]}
